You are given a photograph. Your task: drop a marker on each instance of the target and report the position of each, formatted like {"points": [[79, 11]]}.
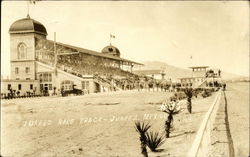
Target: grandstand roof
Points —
{"points": [[148, 72], [94, 53], [199, 67]]}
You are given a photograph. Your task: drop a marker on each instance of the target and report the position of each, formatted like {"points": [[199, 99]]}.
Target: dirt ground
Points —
{"points": [[238, 115], [95, 125]]}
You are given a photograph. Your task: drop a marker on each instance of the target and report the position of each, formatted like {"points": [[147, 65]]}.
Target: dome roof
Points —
{"points": [[27, 25], [112, 50]]}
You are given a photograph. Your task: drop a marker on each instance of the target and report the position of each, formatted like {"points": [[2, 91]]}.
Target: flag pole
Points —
{"points": [[191, 57], [110, 39], [28, 9]]}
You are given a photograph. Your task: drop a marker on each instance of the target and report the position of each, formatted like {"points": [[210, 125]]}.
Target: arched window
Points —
{"points": [[22, 51]]}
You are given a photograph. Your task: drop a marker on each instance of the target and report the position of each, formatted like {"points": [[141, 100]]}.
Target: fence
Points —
{"points": [[202, 141]]}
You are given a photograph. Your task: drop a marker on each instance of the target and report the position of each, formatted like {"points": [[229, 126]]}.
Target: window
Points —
{"points": [[19, 87], [41, 86], [67, 85], [40, 77], [9, 86], [50, 77], [16, 70], [110, 50], [50, 86], [45, 77], [27, 78], [22, 51], [31, 86], [85, 84], [27, 70]]}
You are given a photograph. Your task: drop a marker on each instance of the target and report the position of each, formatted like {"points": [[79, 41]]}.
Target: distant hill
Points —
{"points": [[177, 72]]}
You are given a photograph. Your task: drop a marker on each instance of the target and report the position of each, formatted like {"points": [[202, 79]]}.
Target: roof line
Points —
{"points": [[95, 53], [199, 67], [28, 31]]}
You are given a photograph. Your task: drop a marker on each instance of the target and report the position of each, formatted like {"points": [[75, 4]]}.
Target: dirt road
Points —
{"points": [[237, 95]]}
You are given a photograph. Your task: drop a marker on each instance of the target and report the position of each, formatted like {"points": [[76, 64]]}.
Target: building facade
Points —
{"points": [[41, 66], [201, 77]]}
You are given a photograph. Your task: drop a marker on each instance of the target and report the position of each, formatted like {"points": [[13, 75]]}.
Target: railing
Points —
{"points": [[202, 141]]}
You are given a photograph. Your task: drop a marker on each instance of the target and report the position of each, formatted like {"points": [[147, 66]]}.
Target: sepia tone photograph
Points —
{"points": [[124, 78]]}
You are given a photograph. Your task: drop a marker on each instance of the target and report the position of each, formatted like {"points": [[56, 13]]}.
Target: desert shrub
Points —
{"points": [[181, 95], [178, 96], [206, 93], [142, 128], [173, 98], [171, 109], [154, 140], [189, 94], [196, 92]]}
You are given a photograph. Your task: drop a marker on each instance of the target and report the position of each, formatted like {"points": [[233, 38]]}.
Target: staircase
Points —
{"points": [[101, 80], [200, 85], [110, 85]]}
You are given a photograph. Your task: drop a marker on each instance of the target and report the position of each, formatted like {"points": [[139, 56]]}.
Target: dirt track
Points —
{"points": [[96, 125], [238, 115]]}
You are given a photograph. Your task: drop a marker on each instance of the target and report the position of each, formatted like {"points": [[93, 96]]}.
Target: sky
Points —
{"points": [[214, 33]]}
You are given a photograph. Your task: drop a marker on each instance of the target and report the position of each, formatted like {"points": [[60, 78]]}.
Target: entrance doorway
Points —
{"points": [[45, 89]]}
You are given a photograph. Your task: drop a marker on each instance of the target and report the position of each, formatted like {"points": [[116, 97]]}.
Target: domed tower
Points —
{"points": [[23, 33], [111, 50]]}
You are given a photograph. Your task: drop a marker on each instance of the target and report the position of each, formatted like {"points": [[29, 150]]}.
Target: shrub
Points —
{"points": [[142, 128], [171, 108], [206, 93], [154, 140], [178, 96], [189, 94]]}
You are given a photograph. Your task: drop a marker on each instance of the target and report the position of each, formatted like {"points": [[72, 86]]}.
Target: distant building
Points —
{"points": [[199, 71], [201, 76], [155, 74]]}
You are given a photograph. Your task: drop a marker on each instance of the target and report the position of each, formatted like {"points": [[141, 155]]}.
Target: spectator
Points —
{"points": [[224, 86]]}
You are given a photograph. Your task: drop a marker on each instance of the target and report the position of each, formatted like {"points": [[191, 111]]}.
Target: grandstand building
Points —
{"points": [[42, 66]]}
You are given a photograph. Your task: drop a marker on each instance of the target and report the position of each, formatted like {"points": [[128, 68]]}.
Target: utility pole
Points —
{"points": [[55, 53]]}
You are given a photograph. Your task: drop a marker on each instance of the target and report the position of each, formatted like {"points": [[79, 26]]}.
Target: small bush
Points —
{"points": [[189, 94], [154, 140], [178, 96], [142, 128], [206, 93]]}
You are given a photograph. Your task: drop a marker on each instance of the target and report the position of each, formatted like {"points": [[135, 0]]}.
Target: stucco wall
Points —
{"points": [[28, 40]]}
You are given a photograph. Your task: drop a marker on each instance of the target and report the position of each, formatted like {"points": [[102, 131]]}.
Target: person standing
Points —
{"points": [[224, 86]]}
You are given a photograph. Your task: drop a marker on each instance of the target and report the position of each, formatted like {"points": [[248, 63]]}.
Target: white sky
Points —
{"points": [[215, 33]]}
